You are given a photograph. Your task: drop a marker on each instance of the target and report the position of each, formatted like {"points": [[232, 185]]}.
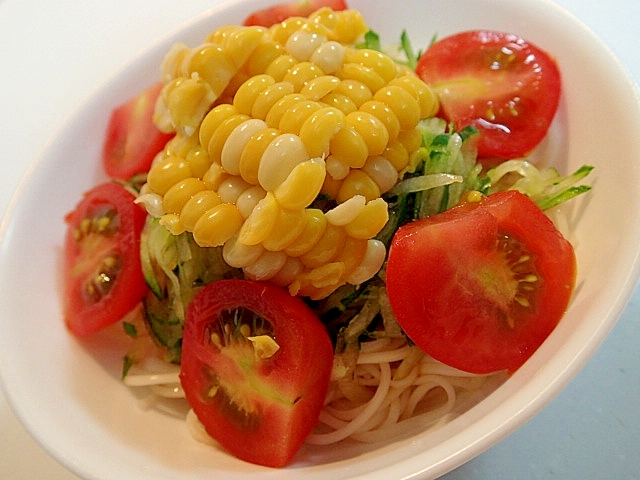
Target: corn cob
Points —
{"points": [[268, 119]]}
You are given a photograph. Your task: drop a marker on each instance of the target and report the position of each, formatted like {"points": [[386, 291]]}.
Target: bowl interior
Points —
{"points": [[66, 391]]}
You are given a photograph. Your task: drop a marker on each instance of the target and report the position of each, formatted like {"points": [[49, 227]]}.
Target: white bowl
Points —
{"points": [[68, 393]]}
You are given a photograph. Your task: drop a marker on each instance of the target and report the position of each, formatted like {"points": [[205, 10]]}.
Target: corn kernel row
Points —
{"points": [[265, 120]]}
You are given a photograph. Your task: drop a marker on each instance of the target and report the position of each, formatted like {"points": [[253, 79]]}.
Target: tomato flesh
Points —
{"points": [[102, 274], [259, 406], [499, 83], [132, 139], [481, 286], [299, 8]]}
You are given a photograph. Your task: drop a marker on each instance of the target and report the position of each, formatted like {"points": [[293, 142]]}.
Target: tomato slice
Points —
{"points": [[258, 402], [102, 275], [481, 286], [298, 8], [132, 139], [499, 83]]}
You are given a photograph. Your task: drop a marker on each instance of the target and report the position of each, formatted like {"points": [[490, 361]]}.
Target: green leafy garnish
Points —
{"points": [[130, 329], [406, 48]]}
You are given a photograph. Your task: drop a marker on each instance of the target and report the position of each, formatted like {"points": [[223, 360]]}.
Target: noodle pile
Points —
{"points": [[390, 384]]}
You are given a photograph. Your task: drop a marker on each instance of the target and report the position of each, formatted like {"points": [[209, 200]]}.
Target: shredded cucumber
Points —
{"points": [[545, 186], [175, 268]]}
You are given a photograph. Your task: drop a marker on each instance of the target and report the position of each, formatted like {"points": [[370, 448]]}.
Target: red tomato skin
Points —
{"points": [[528, 83], [83, 318], [132, 140], [300, 370], [298, 8], [433, 288]]}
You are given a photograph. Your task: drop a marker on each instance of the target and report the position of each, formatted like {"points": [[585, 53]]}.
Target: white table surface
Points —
{"points": [[590, 431]]}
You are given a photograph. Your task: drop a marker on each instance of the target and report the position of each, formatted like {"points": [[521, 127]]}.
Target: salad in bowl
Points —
{"points": [[307, 242]]}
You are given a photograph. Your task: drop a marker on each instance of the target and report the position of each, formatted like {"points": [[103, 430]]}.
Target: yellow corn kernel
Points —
{"points": [[358, 183], [177, 196], [350, 27], [355, 90], [365, 75], [280, 66], [262, 56], [301, 74], [326, 17], [349, 147], [330, 243], [327, 275], [402, 103], [279, 159], [378, 62], [212, 121], [246, 95], [319, 87], [288, 273], [302, 43], [236, 143], [217, 225], [187, 101], [266, 266], [221, 33], [166, 173], [172, 222], [372, 131], [268, 98], [289, 225], [426, 97], [397, 155], [329, 56], [197, 206], [231, 188], [279, 108], [258, 226], [382, 172], [319, 128], [314, 228], [239, 255], [214, 177], [337, 168], [280, 32], [346, 212], [181, 145], [369, 221], [172, 62], [345, 26], [383, 113], [331, 186], [371, 263], [240, 43], [198, 161], [339, 101], [302, 185], [213, 65], [351, 255], [321, 281], [232, 88], [221, 134], [411, 139], [248, 200], [296, 115], [252, 154]]}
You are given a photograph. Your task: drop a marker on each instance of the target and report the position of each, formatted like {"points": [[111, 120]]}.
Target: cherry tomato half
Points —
{"points": [[481, 286], [298, 8], [255, 368], [102, 274], [499, 83], [132, 139]]}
